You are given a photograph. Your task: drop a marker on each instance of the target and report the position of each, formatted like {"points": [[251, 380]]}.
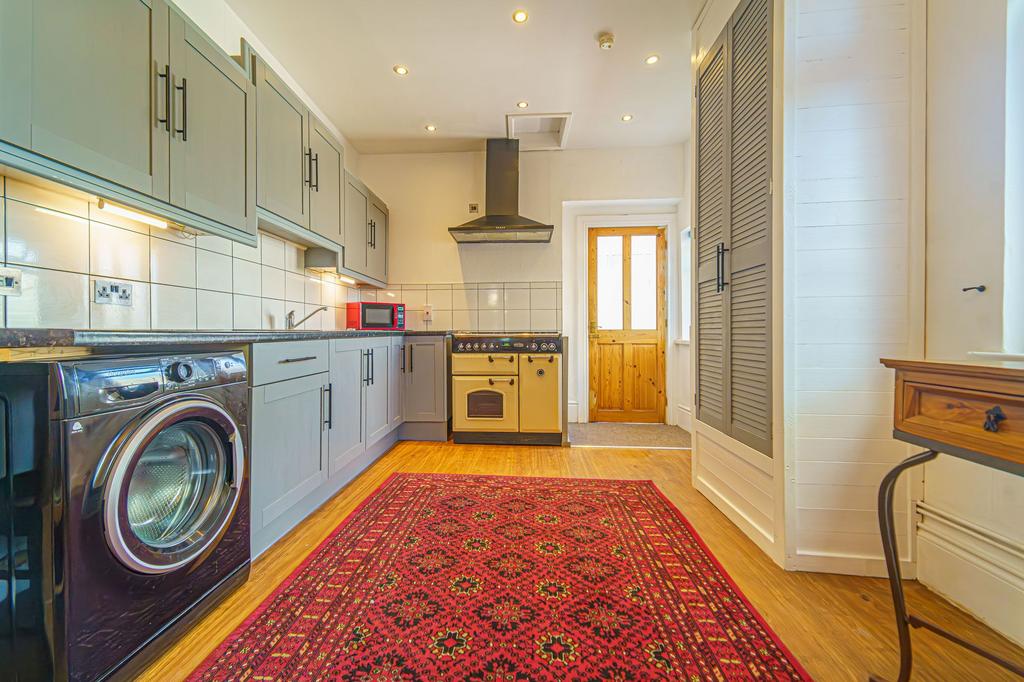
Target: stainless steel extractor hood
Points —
{"points": [[502, 224]]}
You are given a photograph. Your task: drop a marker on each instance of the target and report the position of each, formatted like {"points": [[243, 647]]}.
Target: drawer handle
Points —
{"points": [[993, 417], [511, 382], [550, 358], [303, 359]]}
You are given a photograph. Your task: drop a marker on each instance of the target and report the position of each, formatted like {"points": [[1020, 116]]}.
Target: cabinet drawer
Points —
{"points": [[287, 359], [957, 414], [483, 364]]}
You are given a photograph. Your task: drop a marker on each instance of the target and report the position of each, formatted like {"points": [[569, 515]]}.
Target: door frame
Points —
{"points": [[585, 223]]}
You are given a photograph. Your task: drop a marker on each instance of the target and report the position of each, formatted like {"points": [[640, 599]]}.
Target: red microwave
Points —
{"points": [[368, 316]]}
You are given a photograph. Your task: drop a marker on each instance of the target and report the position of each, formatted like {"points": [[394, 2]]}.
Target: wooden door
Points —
{"points": [[377, 422], [626, 294], [356, 226], [376, 251], [82, 85], [326, 194], [282, 148], [346, 438], [213, 130]]}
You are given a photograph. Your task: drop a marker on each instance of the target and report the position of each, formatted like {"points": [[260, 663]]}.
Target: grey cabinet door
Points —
{"points": [[425, 380], [213, 130], [287, 433], [396, 382], [377, 248], [326, 194], [376, 418], [84, 87], [282, 148], [346, 438], [356, 226]]}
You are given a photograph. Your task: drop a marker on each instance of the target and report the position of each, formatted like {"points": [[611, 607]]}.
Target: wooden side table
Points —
{"points": [[974, 412]]}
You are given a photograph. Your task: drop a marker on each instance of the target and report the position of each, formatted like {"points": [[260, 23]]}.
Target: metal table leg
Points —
{"points": [[892, 558]]}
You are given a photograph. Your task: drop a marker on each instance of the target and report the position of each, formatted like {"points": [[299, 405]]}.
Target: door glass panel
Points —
{"points": [[177, 484], [643, 278], [609, 282], [485, 405]]}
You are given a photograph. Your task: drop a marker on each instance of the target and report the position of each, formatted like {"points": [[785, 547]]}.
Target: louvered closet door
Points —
{"points": [[710, 234], [749, 257]]}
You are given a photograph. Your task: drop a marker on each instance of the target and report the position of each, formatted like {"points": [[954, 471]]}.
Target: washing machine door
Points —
{"points": [[174, 484]]}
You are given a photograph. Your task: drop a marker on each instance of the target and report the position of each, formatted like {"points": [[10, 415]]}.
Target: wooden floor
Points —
{"points": [[839, 627]]}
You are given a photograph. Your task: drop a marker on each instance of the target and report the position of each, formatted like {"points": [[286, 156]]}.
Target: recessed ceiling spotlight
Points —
{"points": [[520, 16], [430, 127], [523, 104], [401, 69], [652, 59], [626, 118]]}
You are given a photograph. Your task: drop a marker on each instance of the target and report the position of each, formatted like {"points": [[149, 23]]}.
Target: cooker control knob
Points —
{"points": [[534, 346], [476, 346], [180, 371], [461, 346]]}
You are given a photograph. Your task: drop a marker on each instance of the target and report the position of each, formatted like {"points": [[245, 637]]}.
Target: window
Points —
{"points": [[1013, 268], [685, 284]]}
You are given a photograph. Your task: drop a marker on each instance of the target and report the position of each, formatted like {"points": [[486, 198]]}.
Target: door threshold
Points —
{"points": [[628, 447]]}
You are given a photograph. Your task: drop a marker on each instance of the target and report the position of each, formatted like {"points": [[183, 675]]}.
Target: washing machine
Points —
{"points": [[124, 507]]}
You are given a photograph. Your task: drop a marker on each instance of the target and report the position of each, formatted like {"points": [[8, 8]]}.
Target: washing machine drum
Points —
{"points": [[174, 485]]}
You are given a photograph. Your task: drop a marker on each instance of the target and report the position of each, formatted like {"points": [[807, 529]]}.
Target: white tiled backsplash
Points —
{"points": [[62, 244]]}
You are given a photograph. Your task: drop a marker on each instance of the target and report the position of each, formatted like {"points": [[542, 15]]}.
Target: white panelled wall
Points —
{"points": [[850, 238]]}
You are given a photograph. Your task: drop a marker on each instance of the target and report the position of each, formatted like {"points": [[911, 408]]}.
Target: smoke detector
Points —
{"points": [[606, 41]]}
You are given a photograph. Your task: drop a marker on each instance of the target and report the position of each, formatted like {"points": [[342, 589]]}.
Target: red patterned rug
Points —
{"points": [[507, 579]]}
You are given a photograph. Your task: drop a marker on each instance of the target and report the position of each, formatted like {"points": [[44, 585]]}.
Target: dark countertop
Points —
{"points": [[50, 338]]}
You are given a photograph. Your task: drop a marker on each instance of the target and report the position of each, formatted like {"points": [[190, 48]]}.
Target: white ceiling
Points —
{"points": [[469, 65]]}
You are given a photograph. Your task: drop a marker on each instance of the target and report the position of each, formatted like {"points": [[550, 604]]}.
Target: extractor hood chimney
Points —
{"points": [[502, 223]]}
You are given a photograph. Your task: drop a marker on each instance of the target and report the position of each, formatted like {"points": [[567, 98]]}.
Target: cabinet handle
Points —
{"points": [[993, 417], [166, 120], [302, 359], [329, 390], [183, 88], [308, 180], [316, 167], [373, 368], [403, 359], [412, 355], [511, 382]]}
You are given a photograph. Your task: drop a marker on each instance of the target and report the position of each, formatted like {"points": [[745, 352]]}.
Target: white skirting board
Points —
{"points": [[978, 570], [684, 419]]}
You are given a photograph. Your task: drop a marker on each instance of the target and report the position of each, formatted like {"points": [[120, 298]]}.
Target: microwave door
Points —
{"points": [[378, 316]]}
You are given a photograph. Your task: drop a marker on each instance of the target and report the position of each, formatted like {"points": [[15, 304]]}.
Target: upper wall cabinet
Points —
{"points": [[366, 225], [85, 83], [131, 95], [283, 165], [213, 131], [326, 196]]}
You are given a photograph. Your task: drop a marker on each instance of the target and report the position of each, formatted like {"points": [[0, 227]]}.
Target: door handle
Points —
{"points": [[373, 367], [183, 88], [403, 359], [511, 381], [166, 120], [309, 167], [412, 356], [329, 390], [316, 175]]}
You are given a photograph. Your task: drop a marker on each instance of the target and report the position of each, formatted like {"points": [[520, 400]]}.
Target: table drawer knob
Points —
{"points": [[993, 417]]}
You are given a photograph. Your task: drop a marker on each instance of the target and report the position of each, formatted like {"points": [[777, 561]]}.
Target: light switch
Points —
{"points": [[428, 310], [10, 282]]}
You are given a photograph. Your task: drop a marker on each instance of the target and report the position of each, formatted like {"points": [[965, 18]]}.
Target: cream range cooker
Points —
{"points": [[508, 389]]}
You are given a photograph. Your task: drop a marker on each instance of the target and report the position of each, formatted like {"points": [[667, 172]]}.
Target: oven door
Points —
{"points": [[175, 481], [377, 316], [488, 404]]}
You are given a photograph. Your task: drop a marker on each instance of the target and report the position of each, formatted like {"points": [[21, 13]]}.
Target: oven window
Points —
{"points": [[378, 316], [485, 405]]}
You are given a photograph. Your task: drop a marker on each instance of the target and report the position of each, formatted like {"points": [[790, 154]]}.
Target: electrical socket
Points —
{"points": [[10, 282], [106, 292]]}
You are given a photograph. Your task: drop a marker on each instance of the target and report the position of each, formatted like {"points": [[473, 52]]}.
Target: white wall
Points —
{"points": [[1013, 270], [971, 538], [221, 23]]}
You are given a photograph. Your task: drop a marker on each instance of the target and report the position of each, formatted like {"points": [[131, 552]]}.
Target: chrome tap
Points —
{"points": [[290, 322]]}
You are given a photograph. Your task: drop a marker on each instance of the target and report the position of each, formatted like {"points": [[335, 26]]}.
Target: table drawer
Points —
{"points": [[958, 414], [288, 359], [485, 364]]}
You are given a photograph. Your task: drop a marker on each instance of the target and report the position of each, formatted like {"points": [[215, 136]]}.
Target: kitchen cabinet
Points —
{"points": [[378, 362], [212, 129], [139, 102], [282, 147], [426, 379], [366, 226], [396, 381], [288, 428], [326, 194], [84, 83], [540, 393], [347, 435]]}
